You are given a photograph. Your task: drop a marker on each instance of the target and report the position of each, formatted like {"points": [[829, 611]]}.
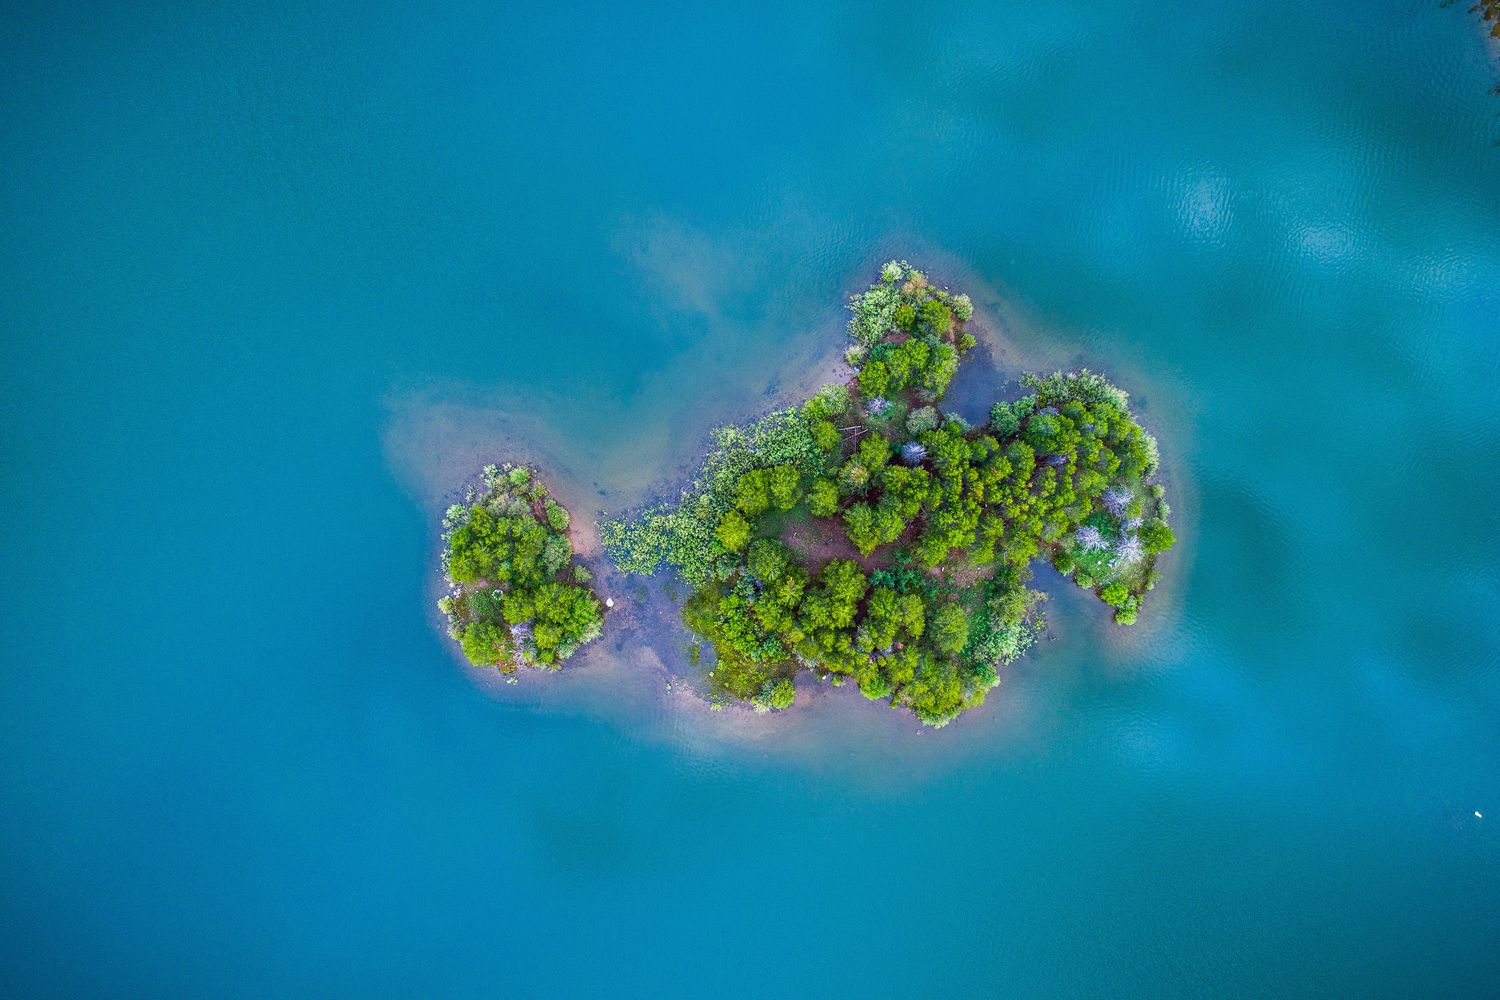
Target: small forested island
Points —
{"points": [[516, 596], [869, 536]]}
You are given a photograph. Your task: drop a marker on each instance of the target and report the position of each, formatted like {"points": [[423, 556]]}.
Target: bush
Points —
{"points": [[557, 517]]}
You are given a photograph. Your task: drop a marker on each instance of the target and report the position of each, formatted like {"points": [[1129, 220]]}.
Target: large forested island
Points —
{"points": [[869, 536]]}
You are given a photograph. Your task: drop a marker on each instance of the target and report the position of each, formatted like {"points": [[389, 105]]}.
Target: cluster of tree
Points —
{"points": [[690, 535], [1063, 472], [909, 336], [925, 366], [912, 646], [516, 597], [903, 299]]}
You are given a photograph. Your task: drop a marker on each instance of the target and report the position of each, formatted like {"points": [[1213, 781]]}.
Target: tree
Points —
{"points": [[566, 617], [823, 498], [778, 694], [949, 631], [1156, 536], [485, 643], [940, 370], [1005, 421], [874, 379], [784, 486], [861, 529], [751, 495], [921, 420], [733, 531], [935, 318], [825, 435]]}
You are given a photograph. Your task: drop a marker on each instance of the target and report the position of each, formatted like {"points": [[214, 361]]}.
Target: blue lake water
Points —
{"points": [[274, 281]]}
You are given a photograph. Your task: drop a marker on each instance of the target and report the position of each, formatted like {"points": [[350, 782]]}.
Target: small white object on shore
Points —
{"points": [[609, 602]]}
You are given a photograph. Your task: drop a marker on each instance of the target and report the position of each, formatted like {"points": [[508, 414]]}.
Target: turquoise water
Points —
{"points": [[276, 280]]}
